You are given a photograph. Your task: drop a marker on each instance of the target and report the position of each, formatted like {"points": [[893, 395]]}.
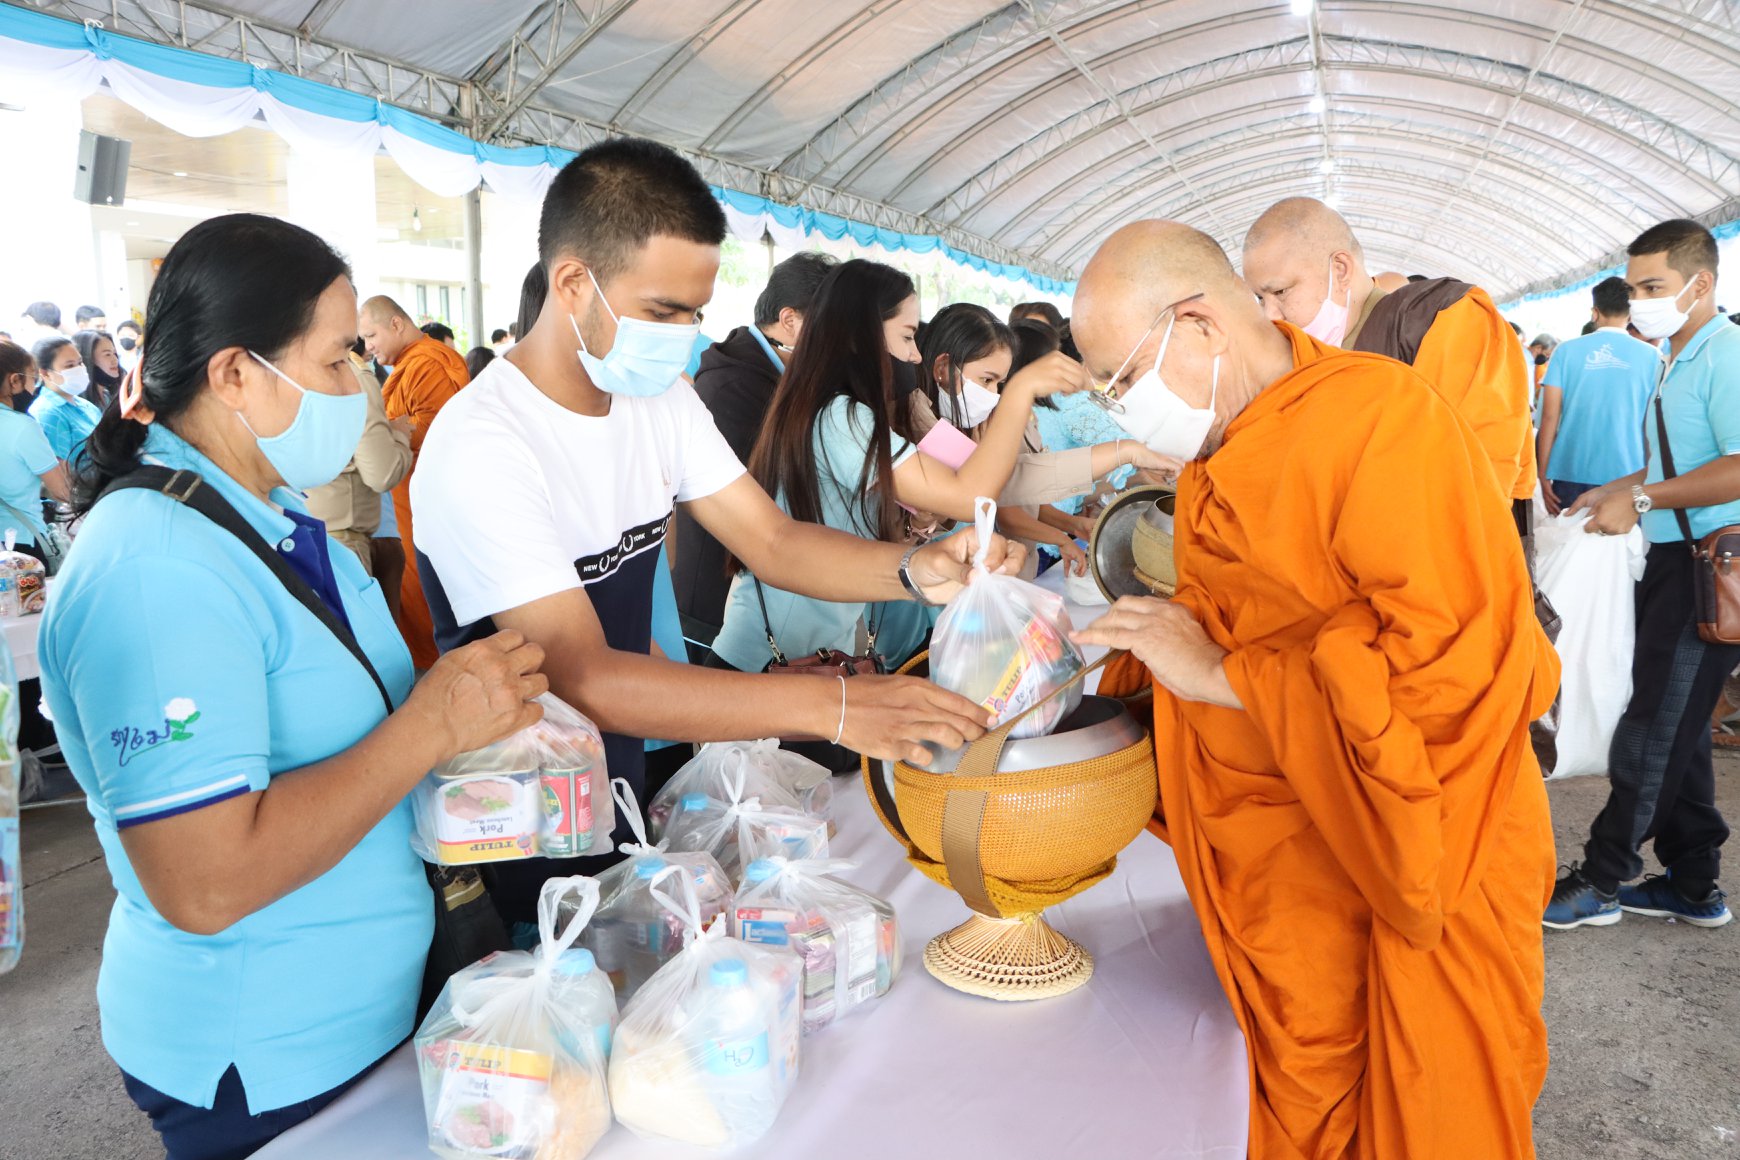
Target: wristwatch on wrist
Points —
{"points": [[1640, 499], [906, 581]]}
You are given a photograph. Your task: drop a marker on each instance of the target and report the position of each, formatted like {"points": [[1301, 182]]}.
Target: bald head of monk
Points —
{"points": [[386, 329], [1301, 257], [1162, 297]]}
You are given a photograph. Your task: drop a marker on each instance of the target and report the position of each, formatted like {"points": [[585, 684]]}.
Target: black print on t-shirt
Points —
{"points": [[633, 542]]}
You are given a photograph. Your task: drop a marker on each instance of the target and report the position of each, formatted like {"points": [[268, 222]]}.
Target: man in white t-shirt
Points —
{"points": [[545, 488]]}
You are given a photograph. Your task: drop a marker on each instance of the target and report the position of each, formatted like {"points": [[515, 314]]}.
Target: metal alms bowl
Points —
{"points": [[1114, 551]]}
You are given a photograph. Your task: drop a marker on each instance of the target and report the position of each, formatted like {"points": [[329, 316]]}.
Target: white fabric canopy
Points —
{"points": [[1513, 142]]}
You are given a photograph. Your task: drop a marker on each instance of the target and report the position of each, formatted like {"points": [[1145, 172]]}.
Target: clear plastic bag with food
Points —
{"points": [[513, 1056], [1004, 643], [758, 769], [848, 939], [708, 1050], [23, 581], [738, 832], [543, 792], [632, 935]]}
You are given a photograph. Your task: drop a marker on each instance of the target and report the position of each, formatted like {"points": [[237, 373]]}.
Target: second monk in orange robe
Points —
{"points": [[1343, 687], [426, 374]]}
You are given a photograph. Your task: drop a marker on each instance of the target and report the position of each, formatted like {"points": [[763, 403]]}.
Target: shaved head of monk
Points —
{"points": [[1162, 296], [1306, 267], [386, 329]]}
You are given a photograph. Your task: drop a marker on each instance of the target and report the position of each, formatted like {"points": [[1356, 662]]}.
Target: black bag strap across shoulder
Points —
{"points": [[190, 489], [1667, 462]]}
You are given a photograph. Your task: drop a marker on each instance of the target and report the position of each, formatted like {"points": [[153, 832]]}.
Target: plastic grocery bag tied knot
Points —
{"points": [[687, 907], [985, 526]]}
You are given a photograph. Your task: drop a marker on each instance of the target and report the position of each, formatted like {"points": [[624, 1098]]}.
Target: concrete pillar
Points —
{"points": [[334, 196], [478, 336], [50, 243], [510, 246]]}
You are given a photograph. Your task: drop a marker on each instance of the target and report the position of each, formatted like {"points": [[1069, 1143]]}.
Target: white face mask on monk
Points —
{"points": [[1330, 325], [1154, 414]]}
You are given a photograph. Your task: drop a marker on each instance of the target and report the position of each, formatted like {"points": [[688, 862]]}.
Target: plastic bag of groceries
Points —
{"points": [[1591, 581], [849, 940], [23, 582], [708, 1049], [632, 935], [513, 1056], [738, 830], [777, 776], [1004, 642], [543, 792]]}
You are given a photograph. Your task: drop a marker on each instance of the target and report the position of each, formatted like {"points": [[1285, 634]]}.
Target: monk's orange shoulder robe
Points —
{"points": [[1471, 355], [427, 375], [1366, 843]]}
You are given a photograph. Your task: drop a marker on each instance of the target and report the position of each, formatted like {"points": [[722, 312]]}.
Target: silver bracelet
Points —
{"points": [[841, 731]]}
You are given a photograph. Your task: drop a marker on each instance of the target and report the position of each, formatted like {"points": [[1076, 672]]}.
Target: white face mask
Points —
{"points": [[74, 380], [1330, 325], [976, 404], [1158, 417], [1657, 318]]}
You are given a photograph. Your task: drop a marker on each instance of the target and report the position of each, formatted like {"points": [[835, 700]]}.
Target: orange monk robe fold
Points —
{"points": [[427, 375], [1471, 355], [1367, 844]]}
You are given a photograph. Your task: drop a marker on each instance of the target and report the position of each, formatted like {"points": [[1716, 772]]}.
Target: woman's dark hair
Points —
{"points": [[241, 280], [533, 290], [46, 349], [103, 386], [1052, 316], [843, 352], [15, 360], [477, 358], [965, 333], [1033, 341]]}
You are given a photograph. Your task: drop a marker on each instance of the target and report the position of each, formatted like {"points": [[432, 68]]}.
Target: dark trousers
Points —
{"points": [[224, 1131], [1663, 786], [1567, 493]]}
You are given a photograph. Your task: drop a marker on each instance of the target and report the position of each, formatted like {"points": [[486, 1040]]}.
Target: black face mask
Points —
{"points": [[905, 378], [1540, 360], [128, 342]]}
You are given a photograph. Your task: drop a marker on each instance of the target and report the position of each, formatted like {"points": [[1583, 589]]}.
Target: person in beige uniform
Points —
{"points": [[350, 505]]}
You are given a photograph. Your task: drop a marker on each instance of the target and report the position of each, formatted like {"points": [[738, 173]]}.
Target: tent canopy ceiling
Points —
{"points": [[1509, 141]]}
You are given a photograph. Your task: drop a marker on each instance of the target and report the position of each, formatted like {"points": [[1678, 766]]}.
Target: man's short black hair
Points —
{"points": [[1416, 277], [439, 331], [85, 313], [43, 314], [497, 334], [616, 197], [1612, 298], [129, 324], [793, 283], [1689, 246]]}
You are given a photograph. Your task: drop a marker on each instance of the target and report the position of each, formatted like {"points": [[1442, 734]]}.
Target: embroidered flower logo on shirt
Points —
{"points": [[130, 740]]}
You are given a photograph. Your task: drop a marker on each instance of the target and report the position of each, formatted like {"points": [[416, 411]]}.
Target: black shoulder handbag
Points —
{"points": [[1715, 576], [467, 925]]}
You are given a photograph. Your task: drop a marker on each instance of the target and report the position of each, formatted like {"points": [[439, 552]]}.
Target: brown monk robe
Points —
{"points": [[426, 374], [1343, 688], [1447, 330]]}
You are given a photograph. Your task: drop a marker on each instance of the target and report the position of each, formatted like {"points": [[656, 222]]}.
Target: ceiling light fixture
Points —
{"points": [[179, 173], [416, 220], [1326, 166], [1302, 7], [1317, 104]]}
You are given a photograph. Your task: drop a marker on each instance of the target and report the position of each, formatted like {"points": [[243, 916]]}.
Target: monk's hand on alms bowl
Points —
{"points": [[1166, 637]]}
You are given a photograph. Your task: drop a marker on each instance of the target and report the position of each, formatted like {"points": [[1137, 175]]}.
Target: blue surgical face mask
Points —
{"points": [[320, 441], [646, 358]]}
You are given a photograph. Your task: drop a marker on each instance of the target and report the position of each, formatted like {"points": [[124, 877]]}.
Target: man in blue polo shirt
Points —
{"points": [[1593, 400], [1663, 786]]}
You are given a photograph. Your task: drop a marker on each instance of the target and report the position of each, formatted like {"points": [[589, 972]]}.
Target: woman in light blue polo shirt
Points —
{"points": [[28, 465], [247, 783], [65, 415]]}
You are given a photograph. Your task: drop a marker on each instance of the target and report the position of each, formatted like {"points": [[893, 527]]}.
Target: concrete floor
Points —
{"points": [[1644, 1018]]}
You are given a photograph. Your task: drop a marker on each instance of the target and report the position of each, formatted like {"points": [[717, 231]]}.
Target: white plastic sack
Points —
{"points": [[708, 1050], [849, 940], [513, 1054], [543, 792], [1590, 580], [778, 777], [735, 822], [1004, 642]]}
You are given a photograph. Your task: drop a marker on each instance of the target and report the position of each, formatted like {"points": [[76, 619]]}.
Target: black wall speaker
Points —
{"points": [[102, 176]]}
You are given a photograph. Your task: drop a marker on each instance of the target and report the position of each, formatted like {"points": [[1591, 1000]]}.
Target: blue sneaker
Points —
{"points": [[1576, 902], [1657, 897]]}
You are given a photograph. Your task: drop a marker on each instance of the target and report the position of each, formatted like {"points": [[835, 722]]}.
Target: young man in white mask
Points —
{"points": [[1663, 786], [545, 488], [1342, 691], [1307, 268]]}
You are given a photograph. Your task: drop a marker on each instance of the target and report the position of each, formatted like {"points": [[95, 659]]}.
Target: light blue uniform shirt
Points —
{"points": [[66, 422], [24, 456], [1701, 402], [1077, 421], [1606, 378], [180, 673], [803, 624]]}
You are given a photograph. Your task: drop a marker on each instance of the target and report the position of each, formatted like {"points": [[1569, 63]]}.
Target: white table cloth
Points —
{"points": [[20, 634], [1143, 1061]]}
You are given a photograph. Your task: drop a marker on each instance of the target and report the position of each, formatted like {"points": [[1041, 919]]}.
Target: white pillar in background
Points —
{"points": [[334, 196], [50, 243], [115, 296], [510, 246]]}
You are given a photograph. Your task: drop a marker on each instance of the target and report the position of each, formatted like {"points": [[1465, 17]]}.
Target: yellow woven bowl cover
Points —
{"points": [[1151, 548]]}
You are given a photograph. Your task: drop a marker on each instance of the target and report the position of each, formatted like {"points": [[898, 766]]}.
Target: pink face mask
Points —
{"points": [[1330, 325]]}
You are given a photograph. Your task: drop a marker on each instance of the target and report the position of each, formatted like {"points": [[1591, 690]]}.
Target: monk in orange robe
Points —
{"points": [[1342, 691], [426, 373], [1308, 269]]}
